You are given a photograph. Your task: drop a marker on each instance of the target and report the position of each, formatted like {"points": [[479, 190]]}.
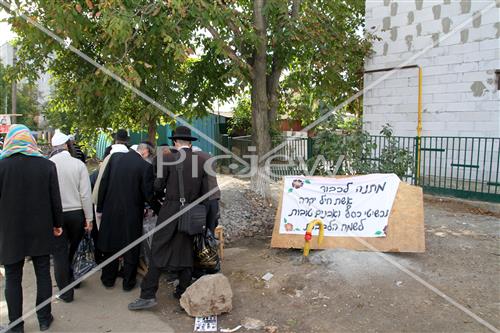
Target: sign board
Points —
{"points": [[205, 324], [370, 212], [4, 123]]}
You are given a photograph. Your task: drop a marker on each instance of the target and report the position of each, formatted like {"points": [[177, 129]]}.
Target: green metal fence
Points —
{"points": [[465, 167]]}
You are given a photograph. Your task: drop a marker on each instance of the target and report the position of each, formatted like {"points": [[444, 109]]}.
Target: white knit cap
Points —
{"points": [[59, 138]]}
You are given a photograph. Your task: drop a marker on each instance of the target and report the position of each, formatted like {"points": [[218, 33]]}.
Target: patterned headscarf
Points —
{"points": [[20, 140]]}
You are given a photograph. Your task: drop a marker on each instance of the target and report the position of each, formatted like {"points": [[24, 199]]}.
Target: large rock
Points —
{"points": [[210, 295]]}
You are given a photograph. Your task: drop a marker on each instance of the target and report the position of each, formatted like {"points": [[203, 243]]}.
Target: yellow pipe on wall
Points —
{"points": [[419, 121]]}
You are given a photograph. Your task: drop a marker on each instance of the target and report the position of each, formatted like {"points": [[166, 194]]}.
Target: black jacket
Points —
{"points": [[127, 183], [171, 249], [30, 206]]}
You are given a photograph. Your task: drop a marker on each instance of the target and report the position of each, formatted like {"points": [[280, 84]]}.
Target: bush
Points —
{"points": [[344, 136]]}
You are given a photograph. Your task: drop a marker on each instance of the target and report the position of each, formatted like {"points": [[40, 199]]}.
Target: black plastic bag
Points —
{"points": [[206, 253], [84, 259]]}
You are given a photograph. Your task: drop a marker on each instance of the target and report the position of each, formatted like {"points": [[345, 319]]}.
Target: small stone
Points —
{"points": [[210, 295], [252, 323]]}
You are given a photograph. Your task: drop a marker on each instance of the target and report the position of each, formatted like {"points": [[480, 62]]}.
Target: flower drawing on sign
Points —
{"points": [[297, 183], [289, 227]]}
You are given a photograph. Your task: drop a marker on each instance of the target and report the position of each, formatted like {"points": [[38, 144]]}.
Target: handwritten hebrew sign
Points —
{"points": [[357, 206], [373, 212]]}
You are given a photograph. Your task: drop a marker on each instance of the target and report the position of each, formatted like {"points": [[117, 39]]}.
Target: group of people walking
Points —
{"points": [[48, 204]]}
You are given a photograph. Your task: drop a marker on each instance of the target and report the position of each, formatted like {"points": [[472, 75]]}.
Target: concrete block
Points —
{"points": [[451, 38], [399, 20], [405, 6], [381, 11], [489, 65], [481, 56], [489, 126], [434, 126], [396, 82], [445, 117], [490, 16], [459, 126], [399, 46], [460, 106], [458, 87], [465, 67], [440, 88], [425, 14], [493, 106], [437, 70], [446, 97], [421, 42], [452, 9], [405, 30], [434, 108], [431, 26], [489, 44], [446, 60], [394, 100], [440, 50], [474, 76], [449, 78], [485, 116], [484, 32], [464, 48], [427, 78]]}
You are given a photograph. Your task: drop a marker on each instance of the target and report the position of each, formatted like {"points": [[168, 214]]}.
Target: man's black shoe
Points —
{"points": [[46, 325], [65, 299], [15, 329], [141, 304]]}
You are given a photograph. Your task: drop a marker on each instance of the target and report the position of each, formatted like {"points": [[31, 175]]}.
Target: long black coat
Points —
{"points": [[30, 206], [127, 183], [172, 249]]}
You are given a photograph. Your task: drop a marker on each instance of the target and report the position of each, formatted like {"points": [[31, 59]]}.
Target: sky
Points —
{"points": [[5, 33]]}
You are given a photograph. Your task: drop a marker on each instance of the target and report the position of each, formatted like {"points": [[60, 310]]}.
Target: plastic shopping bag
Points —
{"points": [[84, 259]]}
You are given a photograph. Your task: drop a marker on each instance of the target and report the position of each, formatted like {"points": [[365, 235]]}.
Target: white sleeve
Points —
{"points": [[85, 193]]}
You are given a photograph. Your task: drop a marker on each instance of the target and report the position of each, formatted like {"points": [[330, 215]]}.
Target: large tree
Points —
{"points": [[312, 48]]}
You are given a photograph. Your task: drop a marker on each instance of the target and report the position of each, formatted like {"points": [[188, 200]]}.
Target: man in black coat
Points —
{"points": [[126, 185], [173, 250]]}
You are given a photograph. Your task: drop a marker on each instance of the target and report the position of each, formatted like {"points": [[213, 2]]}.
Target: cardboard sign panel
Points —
{"points": [[404, 231]]}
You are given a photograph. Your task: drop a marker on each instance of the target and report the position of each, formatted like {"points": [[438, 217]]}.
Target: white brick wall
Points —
{"points": [[459, 83]]}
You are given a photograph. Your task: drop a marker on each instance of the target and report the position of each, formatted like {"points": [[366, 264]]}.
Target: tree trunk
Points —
{"points": [[152, 125], [261, 130], [260, 102]]}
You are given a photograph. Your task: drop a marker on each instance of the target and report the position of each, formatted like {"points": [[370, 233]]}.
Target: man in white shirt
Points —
{"points": [[74, 185]]}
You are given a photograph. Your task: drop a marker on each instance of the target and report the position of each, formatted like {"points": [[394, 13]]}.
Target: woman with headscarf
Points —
{"points": [[31, 215]]}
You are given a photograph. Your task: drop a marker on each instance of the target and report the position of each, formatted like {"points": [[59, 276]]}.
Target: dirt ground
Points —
{"points": [[346, 291], [333, 291]]}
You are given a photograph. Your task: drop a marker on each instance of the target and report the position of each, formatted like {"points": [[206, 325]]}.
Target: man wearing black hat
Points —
{"points": [[173, 250], [127, 183], [121, 138]]}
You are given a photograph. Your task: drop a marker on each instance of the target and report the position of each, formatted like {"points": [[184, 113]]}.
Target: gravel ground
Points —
{"points": [[243, 213]]}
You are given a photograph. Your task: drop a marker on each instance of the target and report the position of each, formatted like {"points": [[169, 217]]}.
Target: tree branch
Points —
{"points": [[277, 67], [230, 52]]}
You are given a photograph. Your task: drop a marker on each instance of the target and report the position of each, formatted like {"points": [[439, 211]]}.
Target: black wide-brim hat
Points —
{"points": [[121, 135], [182, 133]]}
